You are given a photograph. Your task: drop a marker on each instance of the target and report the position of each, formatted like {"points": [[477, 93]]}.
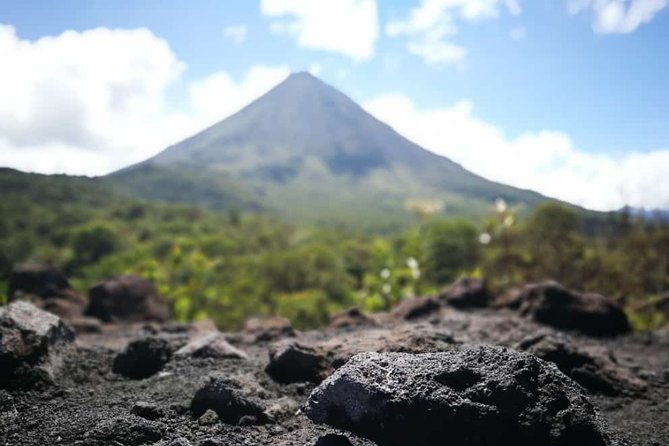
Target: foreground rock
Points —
{"points": [[551, 304], [290, 362], [31, 344], [143, 357], [594, 368], [466, 293], [127, 299], [476, 396]]}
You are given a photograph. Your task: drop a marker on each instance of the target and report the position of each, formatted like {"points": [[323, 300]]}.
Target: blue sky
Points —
{"points": [[569, 97]]}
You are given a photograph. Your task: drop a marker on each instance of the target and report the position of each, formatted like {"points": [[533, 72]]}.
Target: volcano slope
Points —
{"points": [[191, 385]]}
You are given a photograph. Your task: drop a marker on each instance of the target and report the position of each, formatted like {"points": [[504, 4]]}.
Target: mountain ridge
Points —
{"points": [[305, 144]]}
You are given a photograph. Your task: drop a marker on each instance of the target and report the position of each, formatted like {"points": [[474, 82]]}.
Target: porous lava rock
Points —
{"points": [[467, 292], [552, 304], [146, 410], [477, 395], [291, 362], [126, 431], [31, 344], [210, 345], [232, 398], [416, 307], [269, 329], [143, 357], [595, 368], [127, 299]]}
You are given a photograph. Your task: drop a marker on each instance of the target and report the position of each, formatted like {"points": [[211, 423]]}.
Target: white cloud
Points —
{"points": [[434, 52], [219, 95], [93, 101], [518, 33], [432, 26], [618, 16], [546, 161], [236, 33], [348, 27]]}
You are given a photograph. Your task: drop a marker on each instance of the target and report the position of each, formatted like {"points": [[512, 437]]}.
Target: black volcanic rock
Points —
{"points": [[37, 279], [467, 292], [127, 298], [333, 440], [231, 399], [290, 362], [552, 304], [31, 343], [476, 396], [596, 369], [143, 357], [416, 307]]}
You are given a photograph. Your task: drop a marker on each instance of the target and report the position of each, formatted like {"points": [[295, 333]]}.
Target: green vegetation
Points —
{"points": [[232, 265]]}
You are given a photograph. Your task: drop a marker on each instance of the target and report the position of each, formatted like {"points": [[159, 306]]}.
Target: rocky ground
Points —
{"points": [[433, 371]]}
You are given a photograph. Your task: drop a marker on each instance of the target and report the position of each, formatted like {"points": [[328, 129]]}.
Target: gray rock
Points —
{"points": [[230, 398], [210, 345], [143, 357], [129, 431], [31, 344], [478, 395], [149, 411], [291, 362]]}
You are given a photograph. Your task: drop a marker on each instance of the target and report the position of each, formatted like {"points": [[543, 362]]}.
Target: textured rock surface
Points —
{"points": [[143, 357], [594, 368], [231, 398], [467, 292], [551, 304], [88, 394], [31, 342], [476, 396], [128, 299], [291, 362]]}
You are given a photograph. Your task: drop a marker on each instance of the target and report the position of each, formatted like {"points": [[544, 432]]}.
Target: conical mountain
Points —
{"points": [[307, 151]]}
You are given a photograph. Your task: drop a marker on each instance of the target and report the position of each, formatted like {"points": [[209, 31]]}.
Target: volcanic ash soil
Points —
{"points": [[426, 374]]}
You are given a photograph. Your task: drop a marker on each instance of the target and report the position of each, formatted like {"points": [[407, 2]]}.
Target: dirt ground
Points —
{"points": [[90, 405]]}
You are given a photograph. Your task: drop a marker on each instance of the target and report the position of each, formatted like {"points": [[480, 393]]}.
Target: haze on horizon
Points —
{"points": [[534, 96]]}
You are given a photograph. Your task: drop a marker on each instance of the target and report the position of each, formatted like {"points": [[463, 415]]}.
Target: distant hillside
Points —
{"points": [[309, 153]]}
